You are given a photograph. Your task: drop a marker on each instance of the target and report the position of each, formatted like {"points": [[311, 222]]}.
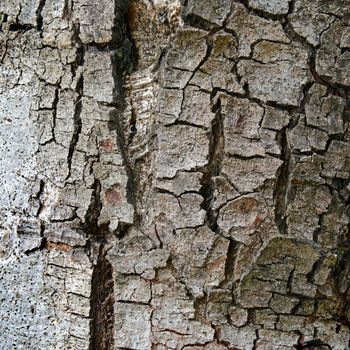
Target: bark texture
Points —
{"points": [[174, 174]]}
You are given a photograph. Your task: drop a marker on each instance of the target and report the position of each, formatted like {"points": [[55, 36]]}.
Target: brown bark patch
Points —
{"points": [[107, 145], [63, 247], [112, 196]]}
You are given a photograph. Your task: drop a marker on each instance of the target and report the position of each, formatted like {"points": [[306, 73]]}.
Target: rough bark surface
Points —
{"points": [[174, 174]]}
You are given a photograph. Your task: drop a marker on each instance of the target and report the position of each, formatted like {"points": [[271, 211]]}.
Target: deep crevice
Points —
{"points": [[282, 185], [216, 151], [93, 213], [19, 27], [39, 17], [342, 283], [102, 305], [230, 263], [312, 345]]}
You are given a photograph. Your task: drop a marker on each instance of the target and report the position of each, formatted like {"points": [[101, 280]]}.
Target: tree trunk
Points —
{"points": [[175, 174]]}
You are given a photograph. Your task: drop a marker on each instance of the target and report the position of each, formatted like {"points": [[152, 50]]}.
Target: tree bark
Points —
{"points": [[175, 174]]}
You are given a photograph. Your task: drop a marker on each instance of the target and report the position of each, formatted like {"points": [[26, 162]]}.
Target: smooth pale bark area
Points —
{"points": [[174, 174]]}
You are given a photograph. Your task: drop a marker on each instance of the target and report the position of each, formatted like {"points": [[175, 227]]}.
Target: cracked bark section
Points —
{"points": [[216, 153], [195, 195], [93, 212], [123, 61], [77, 126], [39, 18], [102, 305], [282, 186]]}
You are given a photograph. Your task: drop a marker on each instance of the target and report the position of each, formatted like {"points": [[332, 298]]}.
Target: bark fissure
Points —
{"points": [[102, 305], [216, 151], [283, 184]]}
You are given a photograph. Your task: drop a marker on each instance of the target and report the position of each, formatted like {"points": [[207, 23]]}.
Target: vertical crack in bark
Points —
{"points": [[102, 305], [230, 264], [216, 151], [93, 212], [256, 340], [39, 17], [102, 333], [123, 60], [342, 283], [54, 113], [282, 185]]}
